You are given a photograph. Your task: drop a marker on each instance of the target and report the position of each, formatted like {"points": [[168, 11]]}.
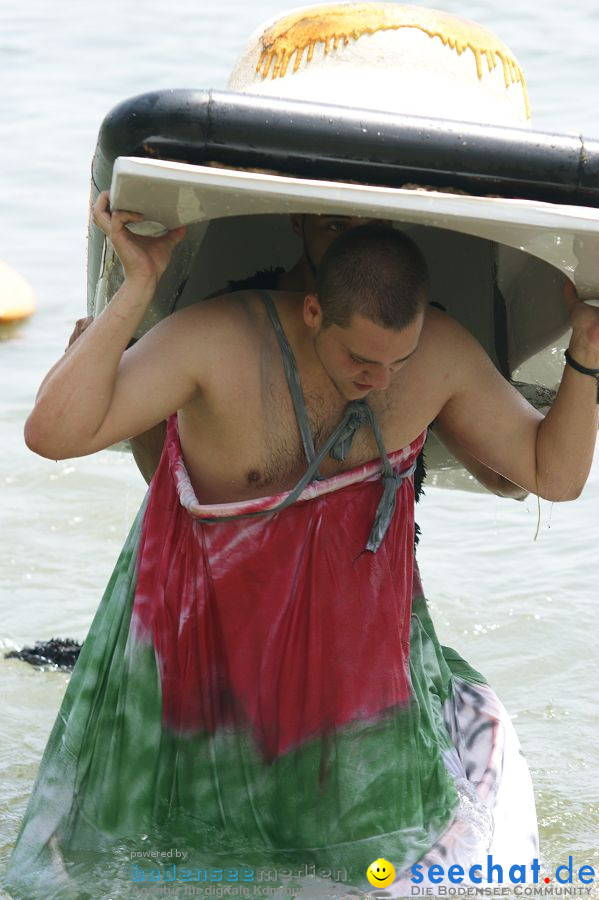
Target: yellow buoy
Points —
{"points": [[17, 299]]}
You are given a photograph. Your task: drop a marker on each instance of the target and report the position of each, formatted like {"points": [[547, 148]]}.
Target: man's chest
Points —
{"points": [[254, 445], [294, 434]]}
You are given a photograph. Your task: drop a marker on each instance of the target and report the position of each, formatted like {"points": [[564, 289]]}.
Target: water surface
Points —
{"points": [[523, 612]]}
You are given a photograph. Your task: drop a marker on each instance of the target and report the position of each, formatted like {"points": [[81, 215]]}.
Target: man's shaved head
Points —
{"points": [[374, 271]]}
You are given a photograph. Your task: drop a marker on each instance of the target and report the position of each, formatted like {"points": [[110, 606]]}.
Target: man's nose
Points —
{"points": [[379, 378]]}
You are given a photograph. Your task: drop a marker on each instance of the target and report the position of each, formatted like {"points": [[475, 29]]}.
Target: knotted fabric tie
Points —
{"points": [[386, 508], [359, 413]]}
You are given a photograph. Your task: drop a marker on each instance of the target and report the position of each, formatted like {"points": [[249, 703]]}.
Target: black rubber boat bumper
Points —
{"points": [[313, 140]]}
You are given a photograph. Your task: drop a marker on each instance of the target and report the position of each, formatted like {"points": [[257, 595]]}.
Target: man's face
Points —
{"points": [[319, 232], [363, 356]]}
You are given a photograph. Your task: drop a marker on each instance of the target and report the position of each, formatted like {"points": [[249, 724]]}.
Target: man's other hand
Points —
{"points": [[80, 326]]}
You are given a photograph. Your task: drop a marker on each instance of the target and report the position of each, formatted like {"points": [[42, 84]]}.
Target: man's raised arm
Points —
{"points": [[95, 395], [549, 456]]}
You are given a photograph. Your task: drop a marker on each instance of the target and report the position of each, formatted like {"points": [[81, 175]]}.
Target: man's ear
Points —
{"points": [[312, 311]]}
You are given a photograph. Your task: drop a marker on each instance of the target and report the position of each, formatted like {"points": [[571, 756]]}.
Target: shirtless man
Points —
{"points": [[267, 664], [317, 233], [433, 371]]}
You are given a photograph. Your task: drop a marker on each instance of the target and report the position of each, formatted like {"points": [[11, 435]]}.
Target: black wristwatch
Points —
{"points": [[594, 373]]}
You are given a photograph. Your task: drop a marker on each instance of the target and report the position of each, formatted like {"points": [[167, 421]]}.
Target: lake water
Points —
{"points": [[522, 611]]}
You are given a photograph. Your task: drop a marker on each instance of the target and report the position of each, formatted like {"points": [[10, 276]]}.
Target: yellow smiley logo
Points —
{"points": [[380, 873]]}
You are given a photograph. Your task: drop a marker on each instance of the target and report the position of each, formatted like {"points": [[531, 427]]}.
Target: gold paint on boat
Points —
{"points": [[332, 25]]}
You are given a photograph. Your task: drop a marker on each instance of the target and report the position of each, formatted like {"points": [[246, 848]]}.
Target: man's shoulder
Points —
{"points": [[448, 352], [235, 321], [225, 311], [452, 358], [236, 309], [442, 331]]}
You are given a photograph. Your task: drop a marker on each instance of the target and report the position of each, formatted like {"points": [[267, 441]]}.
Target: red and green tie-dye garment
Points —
{"points": [[247, 692]]}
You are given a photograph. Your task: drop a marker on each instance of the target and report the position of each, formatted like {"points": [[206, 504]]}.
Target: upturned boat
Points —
{"points": [[369, 109]]}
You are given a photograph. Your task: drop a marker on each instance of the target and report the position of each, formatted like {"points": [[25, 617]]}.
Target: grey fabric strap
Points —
{"points": [[357, 414], [293, 379]]}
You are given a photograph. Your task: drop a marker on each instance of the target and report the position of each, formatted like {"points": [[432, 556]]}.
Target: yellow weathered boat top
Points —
{"points": [[387, 56]]}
